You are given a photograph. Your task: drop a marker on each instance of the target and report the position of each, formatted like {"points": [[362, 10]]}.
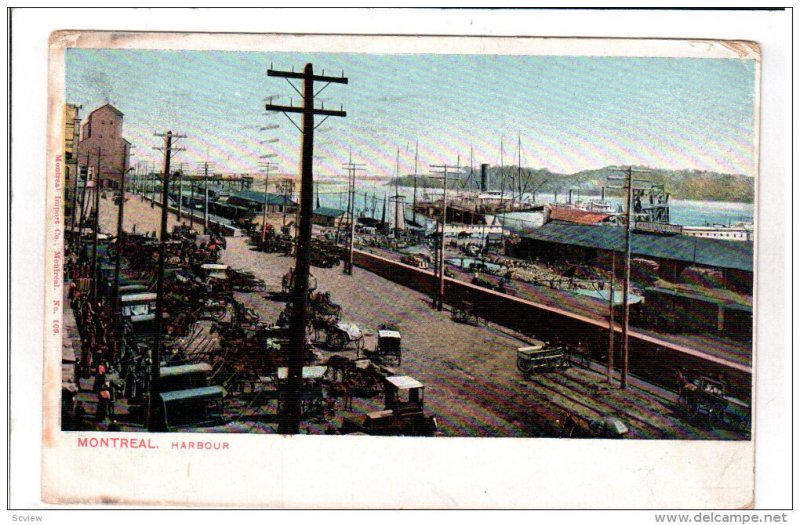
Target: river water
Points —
{"points": [[683, 212]]}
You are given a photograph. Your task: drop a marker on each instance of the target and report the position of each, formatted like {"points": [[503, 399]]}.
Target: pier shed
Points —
{"points": [[327, 216], [256, 200], [594, 246]]}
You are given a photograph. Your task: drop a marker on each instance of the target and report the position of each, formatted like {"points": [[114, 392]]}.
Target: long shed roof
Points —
{"points": [[328, 212], [271, 199], [697, 250]]}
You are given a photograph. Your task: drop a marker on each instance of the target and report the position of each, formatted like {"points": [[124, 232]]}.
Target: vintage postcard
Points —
{"points": [[287, 271]]}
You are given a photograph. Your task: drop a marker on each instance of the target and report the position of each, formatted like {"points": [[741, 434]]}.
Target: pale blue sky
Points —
{"points": [[572, 113]]}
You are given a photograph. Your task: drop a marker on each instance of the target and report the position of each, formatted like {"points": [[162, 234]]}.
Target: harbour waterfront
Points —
{"points": [[475, 389], [683, 212], [205, 298]]}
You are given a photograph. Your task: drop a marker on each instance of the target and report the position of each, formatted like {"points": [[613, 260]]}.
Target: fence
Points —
{"points": [[652, 358]]}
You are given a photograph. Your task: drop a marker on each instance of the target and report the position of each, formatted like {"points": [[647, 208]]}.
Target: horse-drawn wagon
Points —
{"points": [[388, 347], [343, 336], [215, 278], [243, 281], [404, 413], [706, 400], [311, 398], [539, 357], [467, 312], [324, 259]]}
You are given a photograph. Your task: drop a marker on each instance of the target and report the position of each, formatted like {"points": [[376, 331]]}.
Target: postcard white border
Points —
{"points": [[473, 450]]}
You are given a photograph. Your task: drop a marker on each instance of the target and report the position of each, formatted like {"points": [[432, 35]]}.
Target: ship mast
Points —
{"points": [[519, 169], [414, 205], [502, 176], [397, 194], [471, 164]]}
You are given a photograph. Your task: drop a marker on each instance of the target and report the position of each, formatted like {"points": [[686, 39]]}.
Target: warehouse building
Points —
{"points": [[327, 216], [256, 200], [672, 254]]}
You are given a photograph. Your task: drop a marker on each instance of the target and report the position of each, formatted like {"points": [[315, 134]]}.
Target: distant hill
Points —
{"points": [[680, 184]]}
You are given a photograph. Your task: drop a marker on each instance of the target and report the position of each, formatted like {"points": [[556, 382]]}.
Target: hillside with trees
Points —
{"points": [[680, 184]]}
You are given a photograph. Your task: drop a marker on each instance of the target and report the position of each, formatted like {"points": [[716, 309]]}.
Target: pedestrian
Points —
{"points": [[100, 377], [112, 399], [78, 417], [103, 403]]}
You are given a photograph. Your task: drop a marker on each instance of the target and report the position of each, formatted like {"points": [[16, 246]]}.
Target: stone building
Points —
{"points": [[102, 145]]}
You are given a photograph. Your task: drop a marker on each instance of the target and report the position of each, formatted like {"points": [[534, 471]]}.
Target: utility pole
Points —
{"points": [[191, 205], [611, 317], [153, 189], [628, 187], [155, 370], [180, 192], [267, 166], [351, 168], [204, 167], [120, 219], [290, 420], [439, 303], [117, 305], [76, 124], [205, 198], [96, 223], [83, 204]]}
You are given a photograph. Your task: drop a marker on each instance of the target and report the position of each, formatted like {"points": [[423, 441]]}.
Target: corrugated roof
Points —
{"points": [[272, 199], [328, 212], [697, 250], [567, 214]]}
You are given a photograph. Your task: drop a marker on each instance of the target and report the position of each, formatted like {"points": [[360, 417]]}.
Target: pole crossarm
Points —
{"points": [[302, 76], [298, 109]]}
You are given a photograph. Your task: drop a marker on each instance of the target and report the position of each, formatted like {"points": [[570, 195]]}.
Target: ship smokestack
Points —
{"points": [[570, 197], [484, 169]]}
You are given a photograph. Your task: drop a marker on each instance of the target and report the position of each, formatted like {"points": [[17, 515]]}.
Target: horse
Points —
{"points": [[684, 385], [344, 390], [338, 364]]}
